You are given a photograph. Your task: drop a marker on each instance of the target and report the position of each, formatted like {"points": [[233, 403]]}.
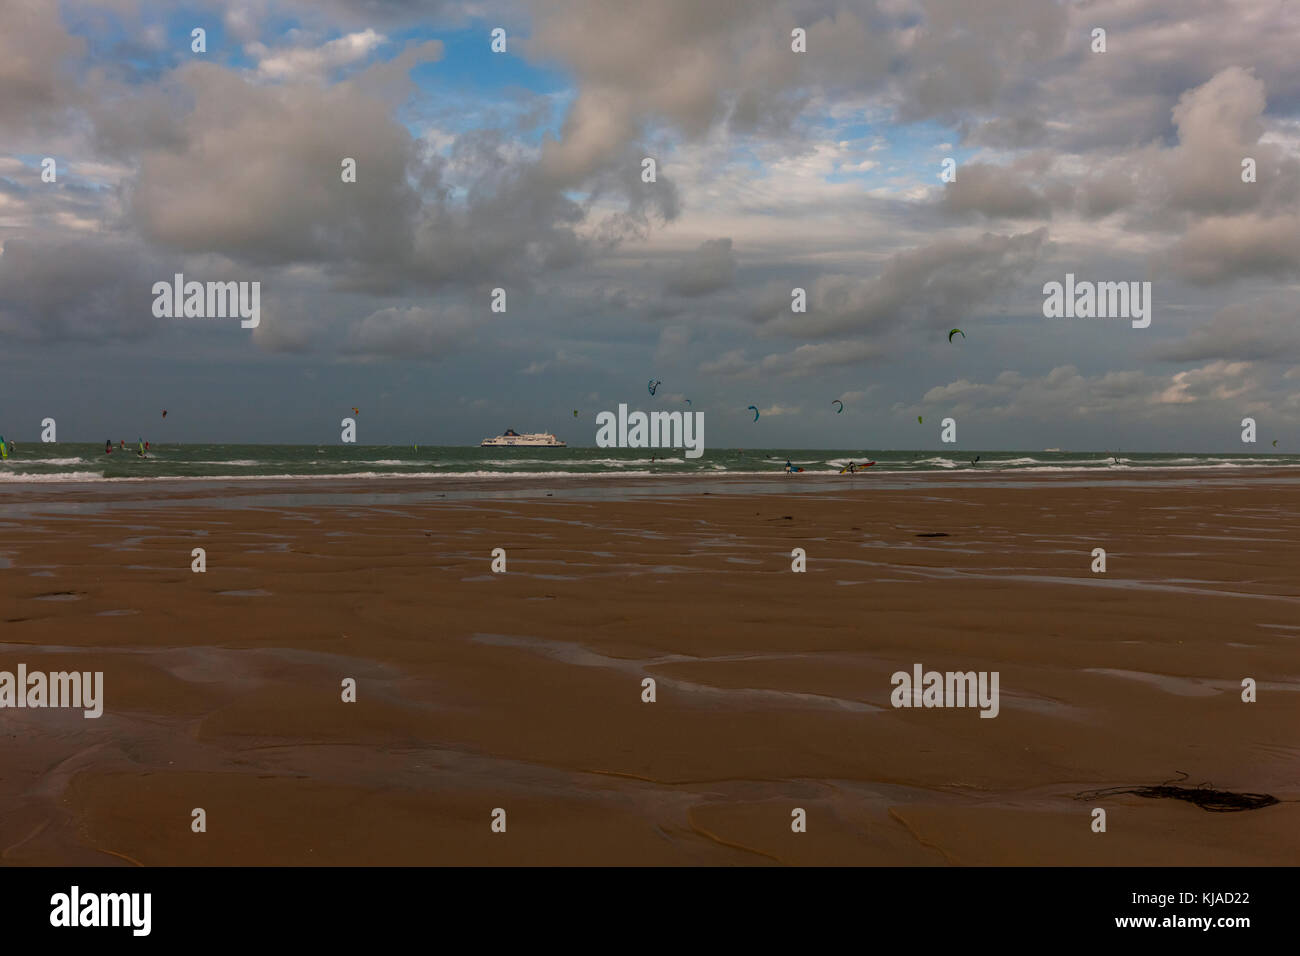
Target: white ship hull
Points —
{"points": [[512, 440]]}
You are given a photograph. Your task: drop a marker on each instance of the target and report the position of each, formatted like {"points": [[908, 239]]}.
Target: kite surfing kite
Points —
{"points": [[840, 410], [956, 332], [652, 385], [755, 410], [1274, 442]]}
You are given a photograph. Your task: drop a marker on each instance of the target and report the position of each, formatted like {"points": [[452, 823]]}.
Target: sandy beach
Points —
{"points": [[523, 690]]}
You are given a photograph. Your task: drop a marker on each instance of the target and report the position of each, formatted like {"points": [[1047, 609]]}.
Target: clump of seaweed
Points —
{"points": [[1202, 795]]}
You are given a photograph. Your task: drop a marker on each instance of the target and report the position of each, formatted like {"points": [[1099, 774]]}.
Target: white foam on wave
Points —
{"points": [[622, 462], [62, 476], [242, 462], [91, 476], [49, 461]]}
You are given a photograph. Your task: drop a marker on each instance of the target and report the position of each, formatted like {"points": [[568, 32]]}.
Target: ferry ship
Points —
{"points": [[512, 439]]}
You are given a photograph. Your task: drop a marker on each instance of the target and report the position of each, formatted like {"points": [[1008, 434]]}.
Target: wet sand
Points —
{"points": [[523, 690]]}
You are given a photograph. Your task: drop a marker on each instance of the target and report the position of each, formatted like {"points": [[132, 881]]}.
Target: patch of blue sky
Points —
{"points": [[65, 169], [140, 47], [881, 154], [468, 64], [472, 88]]}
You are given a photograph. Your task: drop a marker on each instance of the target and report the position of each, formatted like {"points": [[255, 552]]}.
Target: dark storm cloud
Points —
{"points": [[94, 289], [410, 332], [1262, 330], [710, 268], [1222, 249], [927, 285]]}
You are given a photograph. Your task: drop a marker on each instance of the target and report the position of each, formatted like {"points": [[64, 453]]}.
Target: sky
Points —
{"points": [[775, 169]]}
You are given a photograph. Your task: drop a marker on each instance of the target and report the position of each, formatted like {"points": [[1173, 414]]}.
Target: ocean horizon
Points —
{"points": [[35, 462]]}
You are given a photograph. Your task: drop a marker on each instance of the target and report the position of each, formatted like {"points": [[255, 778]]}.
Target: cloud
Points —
{"points": [[69, 289], [410, 332], [809, 359], [1220, 380], [1224, 248], [1262, 330], [954, 61], [295, 64], [561, 360], [254, 172], [994, 191], [1220, 123], [927, 284], [38, 84], [289, 324], [710, 268], [1065, 394], [732, 364], [852, 397], [1106, 192]]}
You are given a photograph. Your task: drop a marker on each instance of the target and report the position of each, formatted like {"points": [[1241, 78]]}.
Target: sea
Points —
{"points": [[65, 462]]}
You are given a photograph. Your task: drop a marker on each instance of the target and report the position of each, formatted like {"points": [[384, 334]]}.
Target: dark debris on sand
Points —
{"points": [[1202, 795]]}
